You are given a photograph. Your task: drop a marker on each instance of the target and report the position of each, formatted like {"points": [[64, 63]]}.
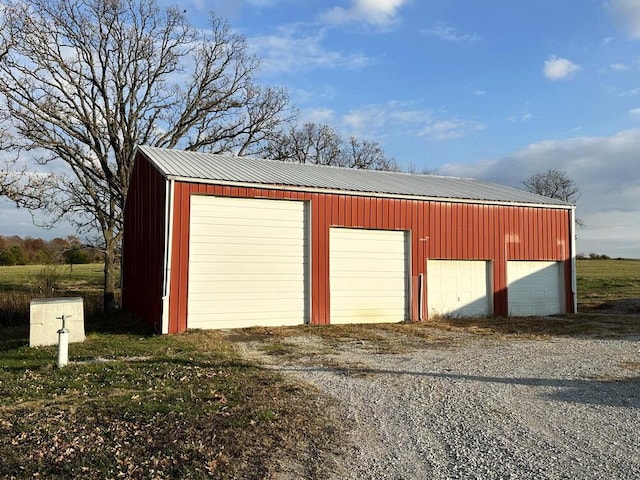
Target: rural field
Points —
{"points": [[275, 403]]}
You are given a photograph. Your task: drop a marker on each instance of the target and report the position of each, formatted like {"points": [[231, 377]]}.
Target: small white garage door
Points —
{"points": [[368, 275], [247, 262], [535, 288], [459, 288]]}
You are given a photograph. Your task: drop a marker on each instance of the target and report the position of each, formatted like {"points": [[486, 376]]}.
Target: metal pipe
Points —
{"points": [[421, 297], [168, 241], [63, 343]]}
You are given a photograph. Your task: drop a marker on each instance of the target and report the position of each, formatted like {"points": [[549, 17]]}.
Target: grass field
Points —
{"points": [[33, 278], [134, 405], [20, 284], [603, 283]]}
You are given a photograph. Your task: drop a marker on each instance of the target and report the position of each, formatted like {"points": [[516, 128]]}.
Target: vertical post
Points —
{"points": [[421, 297], [572, 252], [63, 343]]}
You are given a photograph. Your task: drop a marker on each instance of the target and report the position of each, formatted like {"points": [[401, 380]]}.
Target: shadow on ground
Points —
{"points": [[614, 392]]}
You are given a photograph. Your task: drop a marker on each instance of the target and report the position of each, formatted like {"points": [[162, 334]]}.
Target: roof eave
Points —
{"points": [[297, 188]]}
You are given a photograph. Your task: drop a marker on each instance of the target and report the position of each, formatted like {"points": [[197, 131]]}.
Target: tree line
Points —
{"points": [[15, 250]]}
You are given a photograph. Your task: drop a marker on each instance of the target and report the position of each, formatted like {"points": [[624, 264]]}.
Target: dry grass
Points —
{"points": [[600, 325], [20, 284], [318, 345], [183, 406], [314, 343]]}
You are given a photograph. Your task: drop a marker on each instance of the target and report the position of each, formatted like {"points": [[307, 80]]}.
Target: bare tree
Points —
{"points": [[8, 183], [83, 82], [311, 143], [414, 169], [321, 145], [553, 184]]}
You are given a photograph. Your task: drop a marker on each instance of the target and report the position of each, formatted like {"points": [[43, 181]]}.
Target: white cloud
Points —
{"points": [[226, 8], [393, 118], [317, 115], [626, 14], [479, 93], [18, 221], [448, 33], [365, 122], [619, 67], [449, 129], [635, 113], [630, 93], [556, 68], [521, 117], [373, 12], [605, 169], [381, 120], [290, 50]]}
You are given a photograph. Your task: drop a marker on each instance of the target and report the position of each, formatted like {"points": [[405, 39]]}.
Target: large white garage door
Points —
{"points": [[459, 288], [247, 262], [368, 275], [535, 288]]}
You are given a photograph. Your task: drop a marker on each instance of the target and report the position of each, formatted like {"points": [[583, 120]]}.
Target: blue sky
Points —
{"points": [[490, 89]]}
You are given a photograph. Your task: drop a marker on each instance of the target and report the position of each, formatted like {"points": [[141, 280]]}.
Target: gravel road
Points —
{"points": [[560, 408]]}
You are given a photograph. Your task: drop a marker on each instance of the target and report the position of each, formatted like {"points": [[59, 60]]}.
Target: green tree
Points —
{"points": [[7, 258], [18, 255], [76, 256]]}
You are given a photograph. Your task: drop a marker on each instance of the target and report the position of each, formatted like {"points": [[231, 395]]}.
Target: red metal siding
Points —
{"points": [[143, 243], [442, 230]]}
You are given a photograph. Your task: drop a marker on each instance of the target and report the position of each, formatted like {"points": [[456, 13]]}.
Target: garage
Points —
{"points": [[368, 275], [535, 288], [247, 262], [459, 288], [219, 241]]}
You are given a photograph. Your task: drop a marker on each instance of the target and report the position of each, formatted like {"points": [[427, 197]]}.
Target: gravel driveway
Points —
{"points": [[485, 409]]}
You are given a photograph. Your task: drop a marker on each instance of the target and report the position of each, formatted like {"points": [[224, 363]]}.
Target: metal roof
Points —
{"points": [[211, 168]]}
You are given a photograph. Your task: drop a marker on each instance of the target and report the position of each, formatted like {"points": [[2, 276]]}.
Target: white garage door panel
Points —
{"points": [[222, 243], [230, 320], [368, 275], [459, 288], [264, 305], [535, 288], [241, 270], [247, 262]]}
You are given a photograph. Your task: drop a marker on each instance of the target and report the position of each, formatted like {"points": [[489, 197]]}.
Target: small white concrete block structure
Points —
{"points": [[46, 320]]}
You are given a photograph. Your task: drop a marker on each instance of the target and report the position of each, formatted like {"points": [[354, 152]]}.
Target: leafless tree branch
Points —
{"points": [[83, 82], [321, 145], [556, 184]]}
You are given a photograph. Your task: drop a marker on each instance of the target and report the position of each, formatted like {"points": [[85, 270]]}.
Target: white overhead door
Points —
{"points": [[247, 262], [368, 275], [535, 288], [459, 288]]}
